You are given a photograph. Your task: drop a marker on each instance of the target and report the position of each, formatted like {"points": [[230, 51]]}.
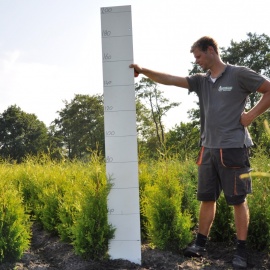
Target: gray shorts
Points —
{"points": [[219, 169]]}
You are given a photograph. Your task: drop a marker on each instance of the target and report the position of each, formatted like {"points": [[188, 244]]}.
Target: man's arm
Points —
{"points": [[160, 77], [260, 107]]}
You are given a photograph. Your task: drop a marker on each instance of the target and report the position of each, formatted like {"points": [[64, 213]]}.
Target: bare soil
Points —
{"points": [[48, 252]]}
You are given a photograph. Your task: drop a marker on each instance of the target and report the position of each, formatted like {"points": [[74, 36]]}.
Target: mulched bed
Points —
{"points": [[47, 252]]}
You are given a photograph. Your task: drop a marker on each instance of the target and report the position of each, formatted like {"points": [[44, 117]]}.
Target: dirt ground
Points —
{"points": [[47, 252]]}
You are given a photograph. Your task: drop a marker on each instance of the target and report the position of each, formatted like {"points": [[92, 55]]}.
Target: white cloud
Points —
{"points": [[7, 61], [41, 88]]}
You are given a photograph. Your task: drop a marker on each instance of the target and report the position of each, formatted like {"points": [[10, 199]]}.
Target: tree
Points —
{"points": [[21, 134], [183, 139], [147, 91], [254, 52], [145, 125], [56, 149], [81, 125]]}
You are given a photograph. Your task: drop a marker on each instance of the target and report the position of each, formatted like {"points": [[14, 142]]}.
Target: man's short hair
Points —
{"points": [[203, 43]]}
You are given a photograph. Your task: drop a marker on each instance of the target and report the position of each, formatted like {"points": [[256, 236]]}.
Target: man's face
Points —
{"points": [[202, 58]]}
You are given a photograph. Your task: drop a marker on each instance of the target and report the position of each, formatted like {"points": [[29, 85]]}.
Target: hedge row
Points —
{"points": [[70, 199]]}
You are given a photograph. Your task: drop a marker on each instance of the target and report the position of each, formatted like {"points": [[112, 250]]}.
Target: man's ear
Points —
{"points": [[211, 50]]}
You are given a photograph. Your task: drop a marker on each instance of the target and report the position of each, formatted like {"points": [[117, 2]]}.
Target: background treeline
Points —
{"points": [[79, 128]]}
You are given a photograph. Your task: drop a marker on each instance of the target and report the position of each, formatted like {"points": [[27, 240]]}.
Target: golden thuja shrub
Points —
{"points": [[15, 223]]}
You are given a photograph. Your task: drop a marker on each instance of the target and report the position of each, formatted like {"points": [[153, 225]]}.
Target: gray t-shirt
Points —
{"points": [[222, 103]]}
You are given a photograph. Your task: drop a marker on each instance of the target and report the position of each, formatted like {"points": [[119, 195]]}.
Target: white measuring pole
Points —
{"points": [[121, 132]]}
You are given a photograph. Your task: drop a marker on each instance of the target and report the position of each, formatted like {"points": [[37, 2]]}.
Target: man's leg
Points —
{"points": [[241, 218], [209, 189], [206, 217]]}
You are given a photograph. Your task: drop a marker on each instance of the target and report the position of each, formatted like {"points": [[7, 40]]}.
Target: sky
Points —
{"points": [[50, 50]]}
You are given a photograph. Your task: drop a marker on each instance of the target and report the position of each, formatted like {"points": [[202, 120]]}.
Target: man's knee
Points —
{"points": [[235, 199]]}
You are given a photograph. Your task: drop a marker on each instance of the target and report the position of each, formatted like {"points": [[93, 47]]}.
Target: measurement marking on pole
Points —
{"points": [[120, 132]]}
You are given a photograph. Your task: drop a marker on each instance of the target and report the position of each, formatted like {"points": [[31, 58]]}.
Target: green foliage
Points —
{"points": [[80, 126], [70, 199], [21, 134], [183, 140], [167, 226], [15, 230], [187, 172], [259, 136], [48, 207], [259, 202], [69, 207], [153, 105], [144, 123], [147, 176], [42, 187], [91, 230], [254, 52]]}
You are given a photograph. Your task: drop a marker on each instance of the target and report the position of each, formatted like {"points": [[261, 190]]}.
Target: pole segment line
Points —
{"points": [[121, 153]]}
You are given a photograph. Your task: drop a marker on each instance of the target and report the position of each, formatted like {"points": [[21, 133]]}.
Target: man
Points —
{"points": [[222, 92]]}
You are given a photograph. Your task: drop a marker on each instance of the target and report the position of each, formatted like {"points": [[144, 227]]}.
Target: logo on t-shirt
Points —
{"points": [[225, 88]]}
